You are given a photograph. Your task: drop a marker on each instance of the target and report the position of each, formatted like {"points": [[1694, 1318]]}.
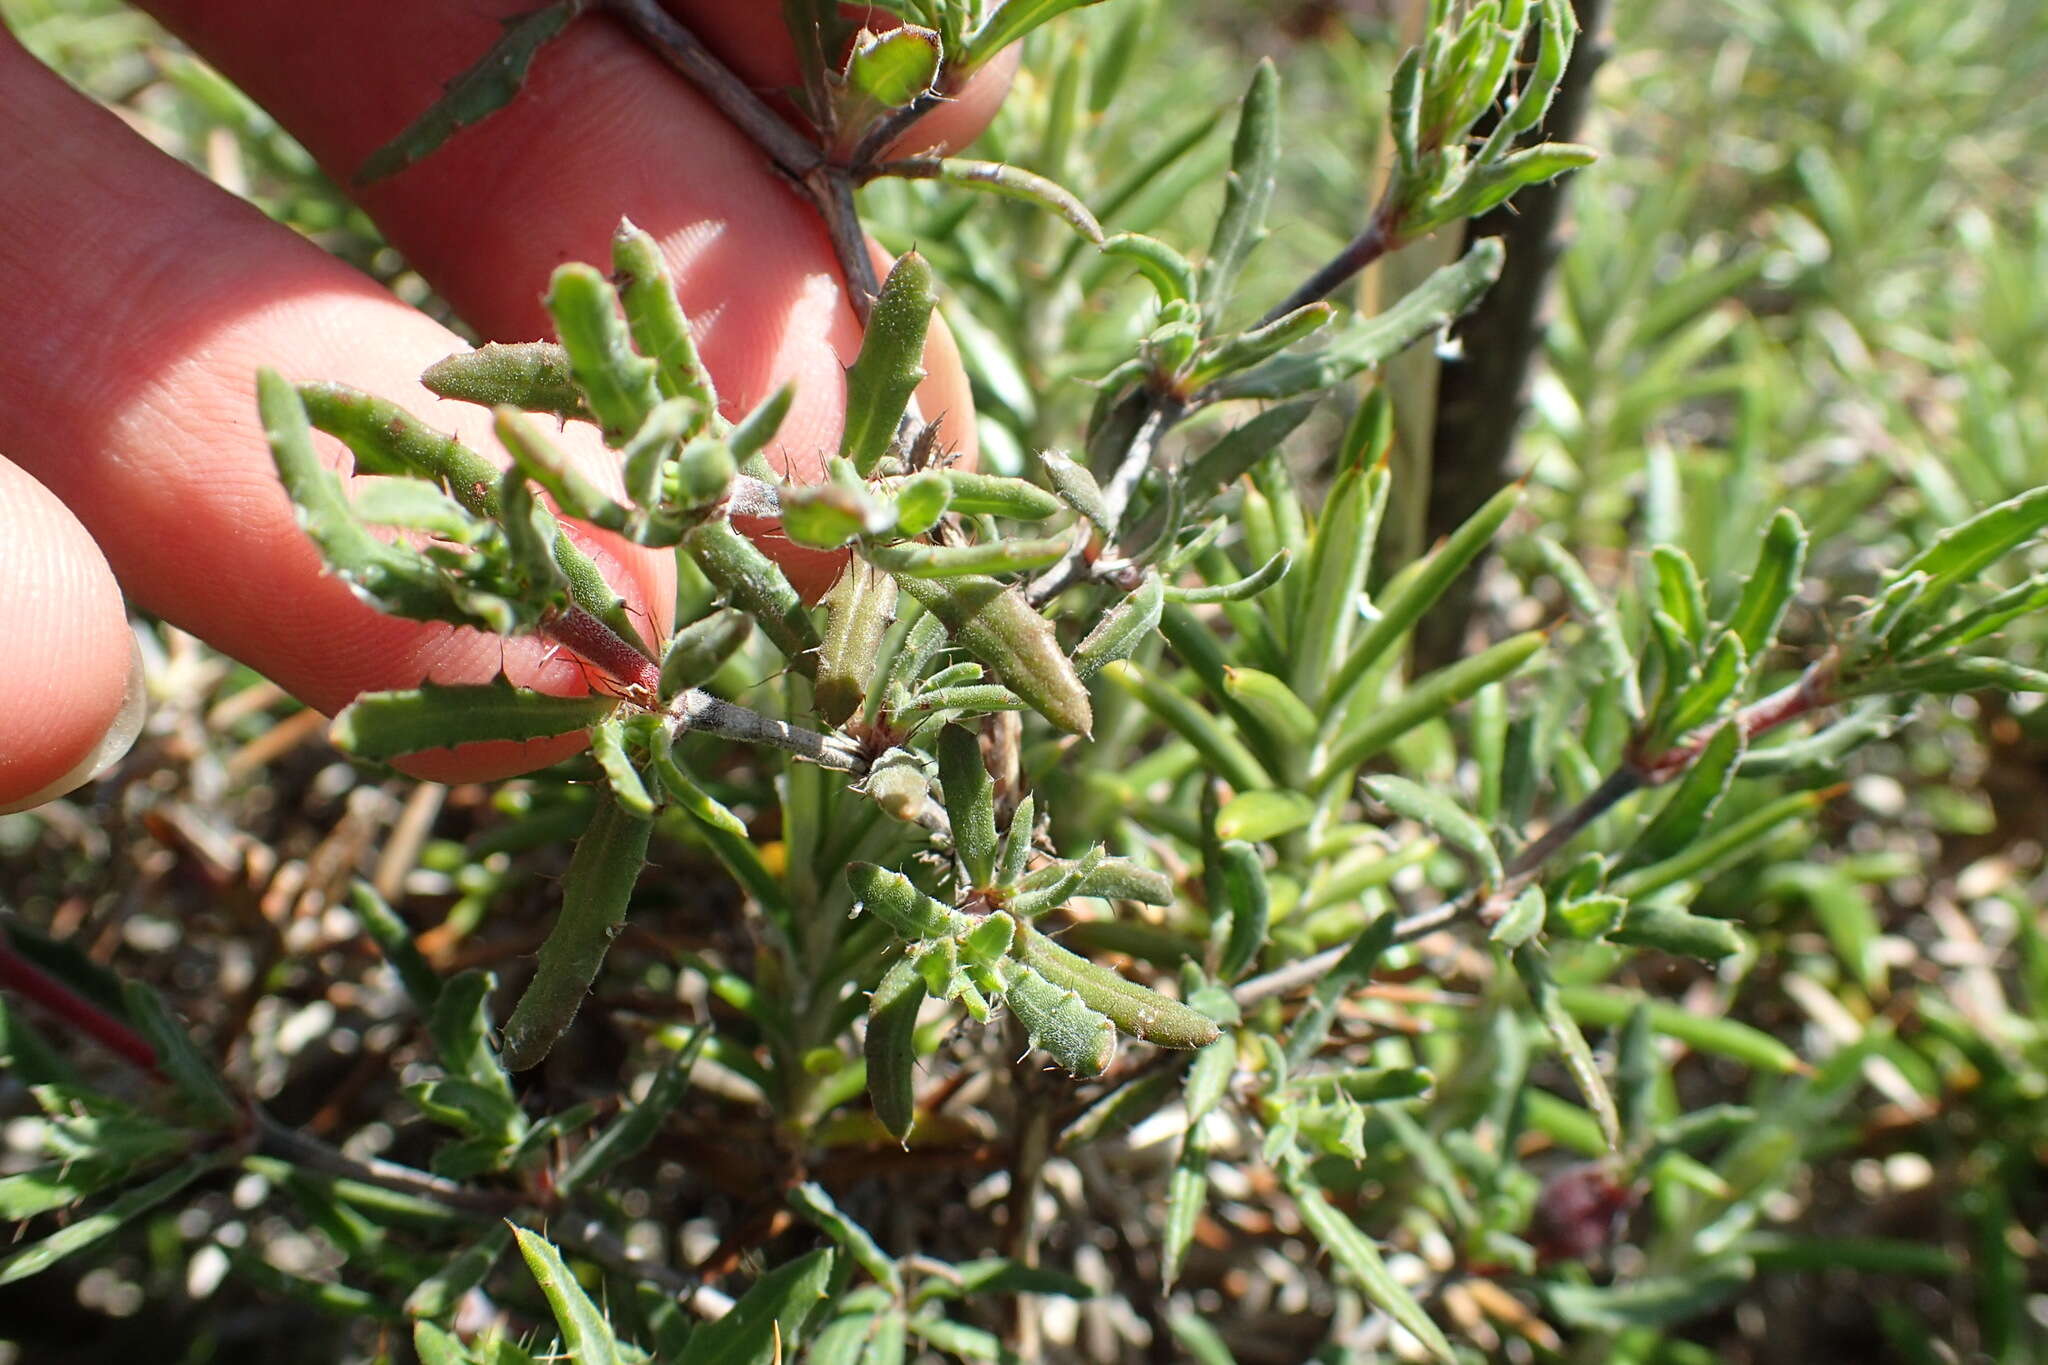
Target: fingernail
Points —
{"points": [[113, 746]]}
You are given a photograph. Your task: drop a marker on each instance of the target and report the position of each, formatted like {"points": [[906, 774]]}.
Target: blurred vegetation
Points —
{"points": [[1806, 273]]}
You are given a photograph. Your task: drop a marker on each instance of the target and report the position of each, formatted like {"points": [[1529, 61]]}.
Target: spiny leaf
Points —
{"points": [[384, 725], [477, 93]]}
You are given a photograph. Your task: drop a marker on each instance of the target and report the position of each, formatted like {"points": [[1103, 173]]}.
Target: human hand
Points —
{"points": [[138, 300]]}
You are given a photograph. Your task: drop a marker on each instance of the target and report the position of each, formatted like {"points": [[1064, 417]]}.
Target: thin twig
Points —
{"points": [[706, 714], [793, 153], [1161, 412], [1361, 251], [831, 189]]}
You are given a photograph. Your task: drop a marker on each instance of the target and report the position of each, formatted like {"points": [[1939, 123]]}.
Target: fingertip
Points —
{"points": [[70, 685]]}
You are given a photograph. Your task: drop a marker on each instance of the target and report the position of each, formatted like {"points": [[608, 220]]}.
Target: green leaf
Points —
{"points": [[1327, 594], [766, 1323], [1355, 1251], [1354, 969], [996, 625], [1137, 1010], [532, 376], [37, 1257], [1436, 302], [1011, 21], [700, 649], [1425, 699], [1224, 751], [195, 1078], [890, 364], [1648, 924], [1239, 891], [1771, 585], [55, 1186], [1617, 660], [617, 381], [438, 1295], [1404, 603], [632, 1130], [1723, 846], [890, 1047], [970, 801], [586, 1336], [608, 747], [1706, 695], [1242, 447], [1685, 814], [1171, 274], [1254, 164], [1288, 723], [1241, 590], [595, 892], [1534, 968], [811, 1200], [647, 293], [1122, 629], [1649, 1300], [482, 90], [1059, 1022], [1607, 1007], [1679, 591], [1011, 182], [383, 725], [756, 586], [1963, 552], [1187, 1195], [1258, 816], [921, 500], [1441, 816], [1016, 555], [894, 67], [996, 496], [460, 1025]]}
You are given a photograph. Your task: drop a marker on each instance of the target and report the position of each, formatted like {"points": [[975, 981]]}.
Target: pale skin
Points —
{"points": [[137, 301]]}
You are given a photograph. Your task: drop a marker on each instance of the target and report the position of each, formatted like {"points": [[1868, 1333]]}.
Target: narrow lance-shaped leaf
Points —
{"points": [[482, 90], [890, 1049], [1771, 585], [395, 941], [632, 1130], [970, 802], [890, 365], [858, 609], [1140, 1012], [586, 1336], [647, 293], [1259, 816], [1254, 163], [1012, 182], [1354, 969], [1122, 629], [1400, 608], [996, 625], [1187, 1195], [532, 376], [1670, 929], [595, 892], [1534, 969], [1617, 660], [1356, 1253], [773, 1311], [1441, 816], [998, 496], [385, 725], [811, 1200], [198, 1084], [1959, 554], [1060, 1023], [1243, 896], [1427, 698], [757, 586], [1171, 274], [700, 649], [608, 747], [1335, 574], [1685, 814], [1011, 21], [1016, 555], [617, 381], [1433, 304], [1240, 590], [37, 1257], [1222, 749]]}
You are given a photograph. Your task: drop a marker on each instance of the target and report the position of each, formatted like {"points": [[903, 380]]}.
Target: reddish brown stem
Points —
{"points": [[31, 982], [600, 646]]}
